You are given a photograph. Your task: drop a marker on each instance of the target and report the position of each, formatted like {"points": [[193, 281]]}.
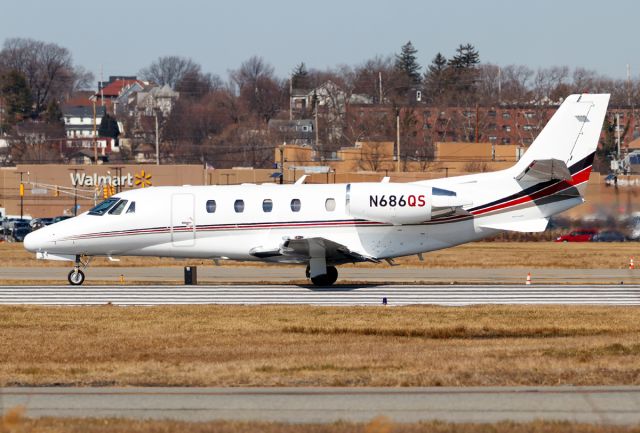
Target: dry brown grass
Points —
{"points": [[304, 345], [474, 255], [378, 425]]}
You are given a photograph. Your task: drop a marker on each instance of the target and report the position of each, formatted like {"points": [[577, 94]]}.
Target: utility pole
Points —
{"points": [[118, 171], [95, 142], [618, 135], [317, 131], [281, 164], [290, 98], [477, 138], [157, 140], [398, 140], [75, 190], [380, 86], [21, 189], [499, 84], [628, 84]]}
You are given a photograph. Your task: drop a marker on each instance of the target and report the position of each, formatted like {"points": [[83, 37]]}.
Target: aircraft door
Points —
{"points": [[183, 221]]}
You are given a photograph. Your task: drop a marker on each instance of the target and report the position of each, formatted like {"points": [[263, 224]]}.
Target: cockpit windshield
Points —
{"points": [[117, 209], [103, 207]]}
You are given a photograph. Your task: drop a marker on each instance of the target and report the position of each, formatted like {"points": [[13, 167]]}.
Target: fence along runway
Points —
{"points": [[451, 295]]}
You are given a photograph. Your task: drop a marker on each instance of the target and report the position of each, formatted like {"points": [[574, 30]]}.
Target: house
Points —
{"points": [[156, 98], [79, 128], [109, 92], [128, 93], [292, 131]]}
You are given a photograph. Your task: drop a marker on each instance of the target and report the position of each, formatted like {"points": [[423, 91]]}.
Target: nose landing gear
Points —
{"points": [[76, 276]]}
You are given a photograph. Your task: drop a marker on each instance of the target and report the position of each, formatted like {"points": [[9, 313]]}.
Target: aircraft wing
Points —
{"points": [[308, 248], [541, 170]]}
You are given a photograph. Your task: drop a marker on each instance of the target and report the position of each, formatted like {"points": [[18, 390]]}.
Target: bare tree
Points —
{"points": [[259, 90], [251, 72], [48, 69], [169, 70]]}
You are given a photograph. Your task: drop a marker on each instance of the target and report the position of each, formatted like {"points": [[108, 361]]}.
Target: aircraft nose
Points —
{"points": [[34, 241]]}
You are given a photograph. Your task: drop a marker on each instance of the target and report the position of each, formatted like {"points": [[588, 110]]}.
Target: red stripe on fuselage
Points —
{"points": [[578, 178]]}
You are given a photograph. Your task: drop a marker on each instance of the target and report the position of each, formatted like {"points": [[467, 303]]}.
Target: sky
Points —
{"points": [[123, 36]]}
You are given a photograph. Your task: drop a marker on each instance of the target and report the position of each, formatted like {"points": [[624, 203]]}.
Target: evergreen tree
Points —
{"points": [[435, 77], [17, 97], [467, 57], [109, 127], [300, 77], [407, 64], [53, 113]]}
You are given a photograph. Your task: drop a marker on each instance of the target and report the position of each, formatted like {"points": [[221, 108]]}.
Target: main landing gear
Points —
{"points": [[76, 276], [324, 279]]}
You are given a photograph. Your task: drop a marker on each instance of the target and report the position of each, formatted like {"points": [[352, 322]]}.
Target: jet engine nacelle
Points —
{"points": [[394, 203], [400, 203]]}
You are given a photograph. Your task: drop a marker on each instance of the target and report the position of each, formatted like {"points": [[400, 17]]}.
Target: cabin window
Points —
{"points": [[132, 207], [296, 205], [239, 206], [267, 205], [211, 206], [103, 207], [117, 209], [330, 204]]}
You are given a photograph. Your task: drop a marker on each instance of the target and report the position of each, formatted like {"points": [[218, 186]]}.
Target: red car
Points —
{"points": [[580, 235]]}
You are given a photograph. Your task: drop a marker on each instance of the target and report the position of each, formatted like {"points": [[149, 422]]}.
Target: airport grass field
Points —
{"points": [[585, 255], [319, 346]]}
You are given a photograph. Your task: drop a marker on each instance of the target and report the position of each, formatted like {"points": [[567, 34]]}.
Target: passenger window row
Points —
{"points": [[267, 205]]}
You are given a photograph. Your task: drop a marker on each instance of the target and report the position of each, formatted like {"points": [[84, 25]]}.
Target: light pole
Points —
{"points": [[21, 189], [398, 139], [118, 171], [75, 190]]}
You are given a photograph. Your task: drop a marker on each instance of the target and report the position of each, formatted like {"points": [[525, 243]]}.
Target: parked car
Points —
{"points": [[18, 234], [37, 223], [60, 218], [40, 222], [609, 236], [580, 235]]}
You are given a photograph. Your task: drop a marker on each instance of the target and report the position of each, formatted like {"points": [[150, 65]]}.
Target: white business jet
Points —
{"points": [[322, 226]]}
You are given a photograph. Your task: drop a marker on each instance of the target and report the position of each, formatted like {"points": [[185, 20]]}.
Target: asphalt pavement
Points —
{"points": [[368, 294], [603, 405], [285, 274]]}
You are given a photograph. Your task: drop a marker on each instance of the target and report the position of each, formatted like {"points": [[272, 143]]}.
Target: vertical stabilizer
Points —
{"points": [[572, 134]]}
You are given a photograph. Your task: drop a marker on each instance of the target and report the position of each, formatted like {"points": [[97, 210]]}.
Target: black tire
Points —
{"points": [[76, 277], [327, 279]]}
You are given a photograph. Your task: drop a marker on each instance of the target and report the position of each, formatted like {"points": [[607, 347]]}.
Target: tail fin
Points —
{"points": [[572, 134]]}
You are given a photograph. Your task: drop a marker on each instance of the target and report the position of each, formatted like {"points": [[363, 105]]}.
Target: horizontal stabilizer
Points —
{"points": [[542, 170], [526, 226]]}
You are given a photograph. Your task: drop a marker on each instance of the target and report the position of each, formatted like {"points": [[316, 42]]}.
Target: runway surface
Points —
{"points": [[373, 274], [607, 405], [337, 295]]}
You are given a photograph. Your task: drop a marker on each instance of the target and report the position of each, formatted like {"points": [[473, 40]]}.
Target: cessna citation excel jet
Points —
{"points": [[322, 226]]}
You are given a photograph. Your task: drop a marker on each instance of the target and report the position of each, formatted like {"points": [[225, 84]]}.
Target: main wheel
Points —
{"points": [[76, 277], [327, 279]]}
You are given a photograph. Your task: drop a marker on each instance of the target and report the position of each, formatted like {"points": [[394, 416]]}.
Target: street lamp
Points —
{"points": [[21, 188], [75, 190]]}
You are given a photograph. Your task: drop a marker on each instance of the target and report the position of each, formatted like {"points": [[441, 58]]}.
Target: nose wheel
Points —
{"points": [[76, 277]]}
